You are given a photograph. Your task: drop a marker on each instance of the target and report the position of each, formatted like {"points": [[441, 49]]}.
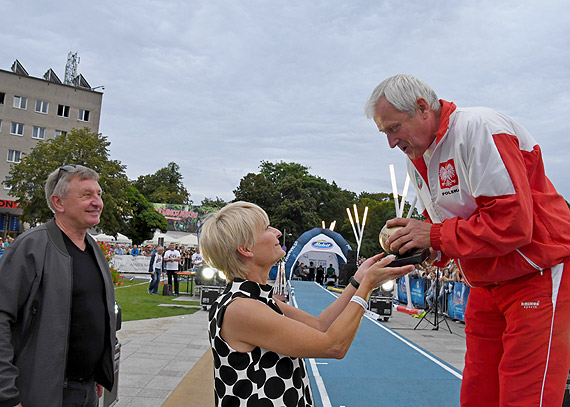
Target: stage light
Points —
{"points": [[208, 273], [221, 276], [388, 286]]}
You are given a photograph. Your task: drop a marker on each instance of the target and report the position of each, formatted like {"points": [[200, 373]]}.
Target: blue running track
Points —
{"points": [[382, 368]]}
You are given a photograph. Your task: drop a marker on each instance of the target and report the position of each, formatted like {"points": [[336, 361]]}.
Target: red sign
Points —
{"points": [[447, 174], [4, 203]]}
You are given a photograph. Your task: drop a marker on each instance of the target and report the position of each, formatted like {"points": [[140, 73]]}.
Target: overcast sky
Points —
{"points": [[219, 86]]}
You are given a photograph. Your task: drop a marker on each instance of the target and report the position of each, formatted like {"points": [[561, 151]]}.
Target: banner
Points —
{"points": [[125, 263], [459, 300], [417, 289]]}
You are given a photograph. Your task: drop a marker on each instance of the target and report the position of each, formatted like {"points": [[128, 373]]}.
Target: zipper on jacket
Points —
{"points": [[463, 273], [533, 264]]}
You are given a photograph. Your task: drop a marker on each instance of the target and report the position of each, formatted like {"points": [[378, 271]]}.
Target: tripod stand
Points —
{"points": [[433, 310]]}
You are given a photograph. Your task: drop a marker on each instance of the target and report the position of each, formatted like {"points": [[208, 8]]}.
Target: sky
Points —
{"points": [[219, 86]]}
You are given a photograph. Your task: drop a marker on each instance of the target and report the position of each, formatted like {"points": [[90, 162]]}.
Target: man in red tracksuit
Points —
{"points": [[479, 176]]}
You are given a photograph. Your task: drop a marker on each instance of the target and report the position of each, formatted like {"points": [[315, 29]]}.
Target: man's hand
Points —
{"points": [[413, 235]]}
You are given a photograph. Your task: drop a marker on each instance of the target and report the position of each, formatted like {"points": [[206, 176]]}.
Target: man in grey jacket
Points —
{"points": [[57, 320]]}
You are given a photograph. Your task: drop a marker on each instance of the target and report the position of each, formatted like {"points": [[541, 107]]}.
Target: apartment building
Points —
{"points": [[33, 110]]}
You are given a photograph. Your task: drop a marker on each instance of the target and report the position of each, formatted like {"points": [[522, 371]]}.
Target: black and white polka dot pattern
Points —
{"points": [[259, 378]]}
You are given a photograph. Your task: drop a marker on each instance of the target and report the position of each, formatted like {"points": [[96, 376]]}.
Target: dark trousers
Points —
{"points": [[79, 394], [171, 274]]}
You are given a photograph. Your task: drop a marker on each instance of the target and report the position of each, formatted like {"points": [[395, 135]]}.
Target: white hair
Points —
{"points": [[402, 91]]}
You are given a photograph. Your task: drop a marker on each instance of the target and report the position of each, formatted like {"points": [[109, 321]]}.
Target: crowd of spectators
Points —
{"points": [[446, 277], [147, 250]]}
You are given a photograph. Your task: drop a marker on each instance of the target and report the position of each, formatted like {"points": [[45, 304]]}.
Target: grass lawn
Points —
{"points": [[136, 303]]}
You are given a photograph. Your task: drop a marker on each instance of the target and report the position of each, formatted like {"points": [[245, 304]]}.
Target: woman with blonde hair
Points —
{"points": [[258, 342]]}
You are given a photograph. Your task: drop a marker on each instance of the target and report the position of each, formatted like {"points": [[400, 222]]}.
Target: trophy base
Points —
{"points": [[410, 257]]}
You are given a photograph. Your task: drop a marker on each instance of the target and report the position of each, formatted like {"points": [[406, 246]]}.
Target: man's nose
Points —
{"points": [[392, 141]]}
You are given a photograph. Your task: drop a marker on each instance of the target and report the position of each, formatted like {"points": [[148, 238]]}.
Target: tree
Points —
{"points": [[142, 219], [295, 200], [217, 203], [80, 146], [164, 186]]}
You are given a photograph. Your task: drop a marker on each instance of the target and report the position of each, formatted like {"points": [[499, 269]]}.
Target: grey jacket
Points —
{"points": [[35, 304]]}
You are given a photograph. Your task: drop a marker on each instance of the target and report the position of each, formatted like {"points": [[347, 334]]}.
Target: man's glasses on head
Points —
{"points": [[66, 168]]}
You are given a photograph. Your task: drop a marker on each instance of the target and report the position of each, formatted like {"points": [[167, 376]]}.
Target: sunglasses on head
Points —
{"points": [[64, 168]]}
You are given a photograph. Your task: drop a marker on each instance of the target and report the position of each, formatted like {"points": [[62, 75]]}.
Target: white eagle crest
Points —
{"points": [[446, 175]]}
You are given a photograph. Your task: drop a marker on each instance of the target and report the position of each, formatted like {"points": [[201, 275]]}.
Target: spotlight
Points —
{"points": [[388, 286], [208, 273]]}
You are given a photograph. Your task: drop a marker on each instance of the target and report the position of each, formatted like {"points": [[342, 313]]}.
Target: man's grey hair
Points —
{"points": [[402, 91], [58, 181]]}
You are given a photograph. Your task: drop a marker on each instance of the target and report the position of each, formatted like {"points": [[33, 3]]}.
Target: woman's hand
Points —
{"points": [[377, 272], [363, 269]]}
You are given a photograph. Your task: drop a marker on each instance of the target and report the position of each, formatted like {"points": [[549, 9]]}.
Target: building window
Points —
{"points": [[83, 115], [6, 179], [17, 129], [60, 133], [14, 156], [20, 102], [2, 97], [42, 106], [39, 133], [63, 110]]}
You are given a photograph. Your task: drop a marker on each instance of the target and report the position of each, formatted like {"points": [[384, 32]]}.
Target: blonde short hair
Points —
{"points": [[235, 225]]}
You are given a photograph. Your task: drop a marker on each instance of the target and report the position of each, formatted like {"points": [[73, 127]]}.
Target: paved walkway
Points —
{"points": [[158, 357]]}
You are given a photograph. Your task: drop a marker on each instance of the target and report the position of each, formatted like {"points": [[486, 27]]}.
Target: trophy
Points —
{"points": [[414, 256]]}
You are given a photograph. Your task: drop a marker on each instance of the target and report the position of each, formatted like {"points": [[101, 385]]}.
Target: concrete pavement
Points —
{"points": [[166, 361]]}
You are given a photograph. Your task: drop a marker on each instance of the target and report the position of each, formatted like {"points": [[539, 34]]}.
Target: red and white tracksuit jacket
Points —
{"points": [[483, 186]]}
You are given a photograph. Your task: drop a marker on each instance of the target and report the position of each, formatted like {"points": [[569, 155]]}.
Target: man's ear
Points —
{"points": [[423, 106], [57, 203], [245, 252]]}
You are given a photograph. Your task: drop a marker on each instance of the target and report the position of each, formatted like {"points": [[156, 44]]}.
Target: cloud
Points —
{"points": [[220, 86]]}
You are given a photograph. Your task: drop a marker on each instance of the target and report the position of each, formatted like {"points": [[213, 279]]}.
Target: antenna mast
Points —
{"points": [[71, 67]]}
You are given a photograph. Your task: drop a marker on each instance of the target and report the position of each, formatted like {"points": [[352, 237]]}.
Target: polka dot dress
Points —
{"points": [[260, 378]]}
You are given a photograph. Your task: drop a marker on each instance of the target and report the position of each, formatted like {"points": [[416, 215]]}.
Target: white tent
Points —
{"points": [[102, 237], [189, 240]]}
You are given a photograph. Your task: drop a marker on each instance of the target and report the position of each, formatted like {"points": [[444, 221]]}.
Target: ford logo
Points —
{"points": [[322, 245]]}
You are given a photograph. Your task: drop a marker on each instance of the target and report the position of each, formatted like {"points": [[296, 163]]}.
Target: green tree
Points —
{"points": [[217, 203], [164, 186], [80, 146], [294, 199], [142, 220]]}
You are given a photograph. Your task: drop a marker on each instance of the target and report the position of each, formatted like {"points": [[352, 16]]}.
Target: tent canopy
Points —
{"points": [[321, 246]]}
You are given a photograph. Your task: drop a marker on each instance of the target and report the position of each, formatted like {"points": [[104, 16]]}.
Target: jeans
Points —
{"points": [[155, 279], [79, 394]]}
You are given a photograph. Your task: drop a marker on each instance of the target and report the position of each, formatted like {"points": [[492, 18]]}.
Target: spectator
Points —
{"points": [[197, 260], [248, 324], [172, 259], [156, 268], [57, 302], [312, 270], [320, 274], [135, 250]]}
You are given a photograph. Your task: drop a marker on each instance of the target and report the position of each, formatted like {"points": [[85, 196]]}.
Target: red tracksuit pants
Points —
{"points": [[518, 342]]}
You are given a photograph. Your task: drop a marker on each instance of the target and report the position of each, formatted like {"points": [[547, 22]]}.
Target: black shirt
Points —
{"points": [[88, 313]]}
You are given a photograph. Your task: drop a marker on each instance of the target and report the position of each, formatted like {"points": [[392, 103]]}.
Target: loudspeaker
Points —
{"points": [[351, 257], [345, 272], [161, 241]]}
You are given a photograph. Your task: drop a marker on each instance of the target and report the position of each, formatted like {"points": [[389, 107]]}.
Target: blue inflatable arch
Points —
{"points": [[307, 242]]}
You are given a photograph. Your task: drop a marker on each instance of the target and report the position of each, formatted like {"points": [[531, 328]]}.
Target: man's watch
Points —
{"points": [[355, 283]]}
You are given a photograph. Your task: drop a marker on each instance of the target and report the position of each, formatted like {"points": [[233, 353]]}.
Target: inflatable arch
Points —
{"points": [[320, 246]]}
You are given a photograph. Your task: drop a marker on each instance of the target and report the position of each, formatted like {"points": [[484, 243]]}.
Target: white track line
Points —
{"points": [[316, 374], [411, 345]]}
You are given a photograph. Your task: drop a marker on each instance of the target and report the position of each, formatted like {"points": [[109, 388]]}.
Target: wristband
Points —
{"points": [[355, 283], [360, 301]]}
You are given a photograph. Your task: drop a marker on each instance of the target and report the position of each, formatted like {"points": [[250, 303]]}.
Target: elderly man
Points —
{"points": [[57, 319], [480, 177]]}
